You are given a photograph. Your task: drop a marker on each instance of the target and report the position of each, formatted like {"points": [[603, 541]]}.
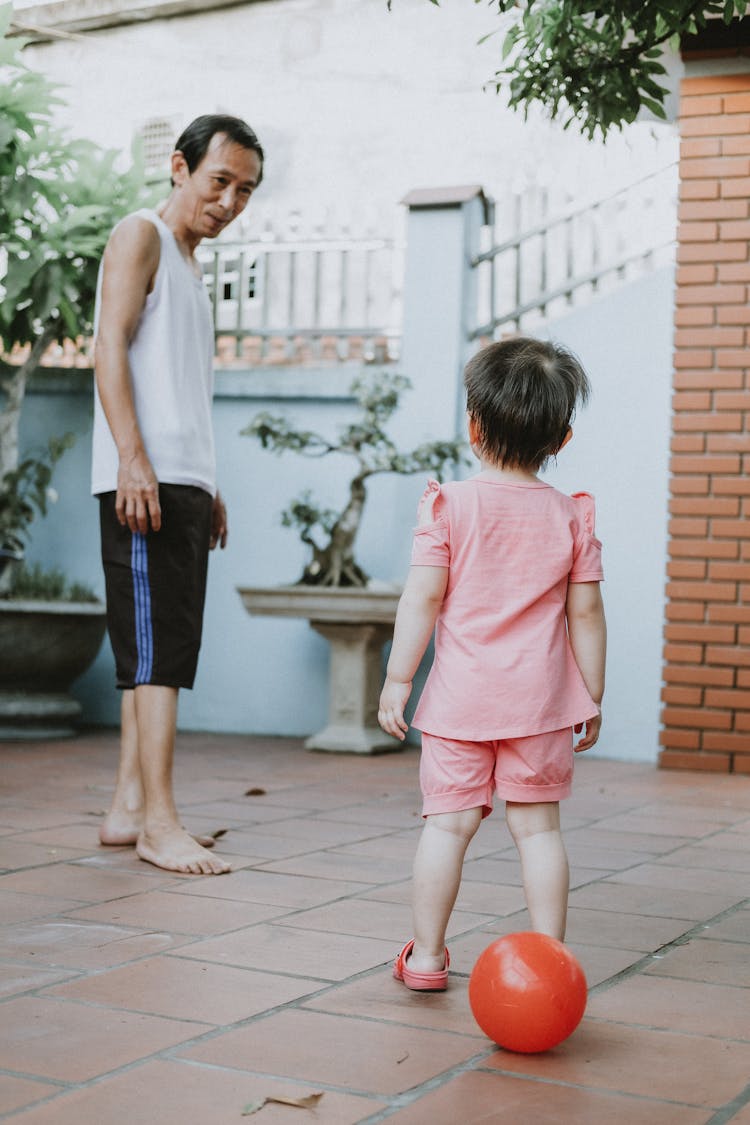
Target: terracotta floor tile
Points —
{"points": [[479, 1098], [707, 857], [383, 998], [658, 822], [80, 945], [733, 884], [75, 881], [714, 962], [381, 815], [391, 846], [74, 1042], [368, 870], [620, 930], [742, 1117], [24, 978], [177, 913], [180, 1093], [187, 990], [659, 1002], [319, 833], [358, 1054], [652, 901], [16, 854], [735, 927], [687, 1069], [604, 837], [325, 955], [16, 907], [373, 917], [84, 837], [18, 1092], [27, 817]]}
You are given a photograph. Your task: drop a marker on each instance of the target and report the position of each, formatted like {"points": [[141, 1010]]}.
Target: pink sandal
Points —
{"points": [[420, 982]]}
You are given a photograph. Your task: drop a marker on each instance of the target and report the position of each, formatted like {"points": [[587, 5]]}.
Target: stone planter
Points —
{"points": [[44, 647], [356, 622]]}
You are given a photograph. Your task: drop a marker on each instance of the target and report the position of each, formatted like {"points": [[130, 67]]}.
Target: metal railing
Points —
{"points": [[285, 299], [561, 260]]}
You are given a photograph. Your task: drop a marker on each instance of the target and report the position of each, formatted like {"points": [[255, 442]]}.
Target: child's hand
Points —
{"points": [[593, 726], [393, 700]]}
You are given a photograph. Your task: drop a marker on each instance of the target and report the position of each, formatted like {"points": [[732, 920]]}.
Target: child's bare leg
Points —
{"points": [[437, 876], [535, 828]]}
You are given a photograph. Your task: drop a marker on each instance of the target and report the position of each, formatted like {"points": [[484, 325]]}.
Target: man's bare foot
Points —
{"points": [[122, 829], [175, 850]]}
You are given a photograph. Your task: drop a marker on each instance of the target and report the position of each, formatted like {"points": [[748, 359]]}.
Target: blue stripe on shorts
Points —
{"points": [[144, 632]]}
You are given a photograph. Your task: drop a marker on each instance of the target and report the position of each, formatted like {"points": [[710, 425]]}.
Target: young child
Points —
{"points": [[506, 569]]}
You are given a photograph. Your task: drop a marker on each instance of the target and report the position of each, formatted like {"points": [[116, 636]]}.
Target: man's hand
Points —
{"points": [[219, 529], [137, 502]]}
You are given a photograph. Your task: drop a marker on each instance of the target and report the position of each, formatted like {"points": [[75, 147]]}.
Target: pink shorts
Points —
{"points": [[456, 776]]}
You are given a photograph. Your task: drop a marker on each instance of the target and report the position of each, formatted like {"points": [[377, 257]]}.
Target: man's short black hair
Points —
{"points": [[193, 142], [522, 395]]}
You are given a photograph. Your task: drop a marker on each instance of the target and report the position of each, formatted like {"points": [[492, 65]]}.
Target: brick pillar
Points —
{"points": [[706, 695]]}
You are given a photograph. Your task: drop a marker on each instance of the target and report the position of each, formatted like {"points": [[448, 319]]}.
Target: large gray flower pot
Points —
{"points": [[44, 647]]}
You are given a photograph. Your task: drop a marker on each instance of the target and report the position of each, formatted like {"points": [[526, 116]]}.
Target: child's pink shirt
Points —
{"points": [[503, 664]]}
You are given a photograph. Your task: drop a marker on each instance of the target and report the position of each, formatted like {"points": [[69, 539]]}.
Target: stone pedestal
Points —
{"points": [[356, 623]]}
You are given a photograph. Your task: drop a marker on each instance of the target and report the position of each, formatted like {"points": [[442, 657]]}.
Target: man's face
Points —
{"points": [[219, 189]]}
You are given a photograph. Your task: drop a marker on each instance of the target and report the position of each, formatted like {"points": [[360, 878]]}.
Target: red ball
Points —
{"points": [[527, 992]]}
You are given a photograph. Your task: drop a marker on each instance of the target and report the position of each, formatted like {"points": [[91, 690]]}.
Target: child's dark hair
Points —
{"points": [[522, 395]]}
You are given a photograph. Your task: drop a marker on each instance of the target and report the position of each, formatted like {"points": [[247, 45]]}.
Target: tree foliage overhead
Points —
{"points": [[596, 63]]}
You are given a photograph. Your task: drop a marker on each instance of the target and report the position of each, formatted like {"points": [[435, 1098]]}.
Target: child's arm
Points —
{"points": [[587, 631], [417, 613]]}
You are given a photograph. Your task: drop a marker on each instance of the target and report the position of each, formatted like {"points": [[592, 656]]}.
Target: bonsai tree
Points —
{"points": [[59, 199], [331, 535]]}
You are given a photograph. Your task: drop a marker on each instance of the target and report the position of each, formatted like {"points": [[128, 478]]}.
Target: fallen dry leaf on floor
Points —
{"points": [[219, 833], [256, 791], [309, 1101]]}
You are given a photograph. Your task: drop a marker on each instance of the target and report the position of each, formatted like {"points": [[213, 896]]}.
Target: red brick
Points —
{"points": [[729, 146], [695, 275], [735, 614], [728, 742], [695, 630], [691, 400], [690, 485], [736, 228], [744, 634], [700, 106], [714, 84], [701, 232], [710, 294], [691, 569], [709, 463], [687, 443], [742, 763], [735, 188], [743, 677], [728, 443], [734, 655], [742, 724], [731, 357], [711, 763], [695, 316], [722, 167], [704, 506], [700, 718], [704, 549], [726, 697], [700, 146], [680, 739], [695, 359], [733, 271], [702, 674], [687, 527], [729, 571], [703, 210], [688, 252], [729, 379], [700, 189], [683, 654], [685, 611], [731, 400], [733, 314], [682, 696], [734, 529], [735, 103], [699, 420]]}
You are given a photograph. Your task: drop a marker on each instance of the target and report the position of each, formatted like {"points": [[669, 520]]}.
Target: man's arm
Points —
{"points": [[130, 263], [587, 631]]}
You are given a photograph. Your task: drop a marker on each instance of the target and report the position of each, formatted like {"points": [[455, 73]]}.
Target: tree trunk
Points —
{"points": [[14, 387], [334, 565]]}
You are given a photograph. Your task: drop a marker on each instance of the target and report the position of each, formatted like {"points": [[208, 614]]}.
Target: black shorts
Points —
{"points": [[156, 588]]}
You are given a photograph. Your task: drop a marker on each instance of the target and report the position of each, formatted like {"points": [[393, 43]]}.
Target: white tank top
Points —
{"points": [[171, 363]]}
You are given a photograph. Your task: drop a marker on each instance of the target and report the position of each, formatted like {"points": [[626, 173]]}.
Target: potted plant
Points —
{"points": [[334, 592], [59, 198]]}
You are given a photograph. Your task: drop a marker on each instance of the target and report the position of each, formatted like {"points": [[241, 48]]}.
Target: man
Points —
{"points": [[154, 470]]}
